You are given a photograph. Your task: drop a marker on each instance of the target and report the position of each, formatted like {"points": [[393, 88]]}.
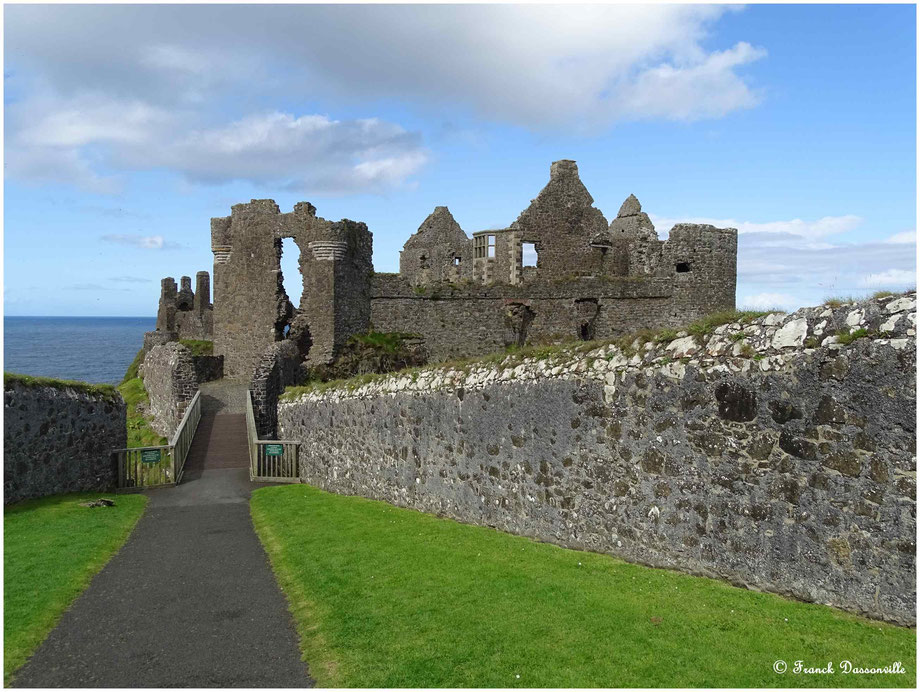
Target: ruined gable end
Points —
{"points": [[438, 251]]}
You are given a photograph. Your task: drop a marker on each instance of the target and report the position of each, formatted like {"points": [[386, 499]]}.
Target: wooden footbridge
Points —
{"points": [[218, 430]]}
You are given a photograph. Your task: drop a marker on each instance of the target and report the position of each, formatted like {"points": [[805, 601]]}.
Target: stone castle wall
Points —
{"points": [[770, 454], [59, 440], [460, 320], [472, 296], [279, 367], [171, 383], [463, 295]]}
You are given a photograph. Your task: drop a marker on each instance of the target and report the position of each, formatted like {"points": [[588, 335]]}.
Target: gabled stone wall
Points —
{"points": [[769, 454]]}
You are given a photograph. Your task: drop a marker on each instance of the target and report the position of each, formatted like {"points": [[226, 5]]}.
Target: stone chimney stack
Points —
{"points": [[202, 292]]}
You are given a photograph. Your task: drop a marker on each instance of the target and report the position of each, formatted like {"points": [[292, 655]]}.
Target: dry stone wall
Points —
{"points": [[171, 383], [771, 454], [59, 440]]}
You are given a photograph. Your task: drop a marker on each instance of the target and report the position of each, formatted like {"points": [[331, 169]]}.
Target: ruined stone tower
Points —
{"points": [[252, 310]]}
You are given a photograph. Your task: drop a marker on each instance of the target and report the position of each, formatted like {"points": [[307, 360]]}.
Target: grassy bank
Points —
{"points": [[387, 597], [140, 434], [52, 548]]}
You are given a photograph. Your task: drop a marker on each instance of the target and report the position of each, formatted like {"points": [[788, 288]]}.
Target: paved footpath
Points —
{"points": [[190, 600]]}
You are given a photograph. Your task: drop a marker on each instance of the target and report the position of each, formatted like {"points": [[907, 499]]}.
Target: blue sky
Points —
{"points": [[127, 128]]}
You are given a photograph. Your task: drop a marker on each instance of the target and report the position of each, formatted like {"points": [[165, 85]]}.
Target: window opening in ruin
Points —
{"points": [[587, 310], [491, 246], [682, 267], [290, 271], [456, 261], [528, 255], [423, 261], [479, 246]]}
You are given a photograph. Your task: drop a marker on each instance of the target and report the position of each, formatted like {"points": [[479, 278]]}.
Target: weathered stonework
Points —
{"points": [[59, 440], [278, 367], [171, 383], [251, 308], [768, 453], [464, 296], [208, 368], [183, 314], [474, 296]]}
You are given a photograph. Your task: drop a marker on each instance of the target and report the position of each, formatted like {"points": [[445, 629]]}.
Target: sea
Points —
{"points": [[90, 349]]}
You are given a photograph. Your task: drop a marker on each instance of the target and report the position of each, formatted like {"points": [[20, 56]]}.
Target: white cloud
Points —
{"points": [[130, 279], [531, 65], [891, 278], [146, 242], [906, 237], [708, 89], [308, 153], [104, 90], [792, 263], [87, 120], [767, 301], [808, 230]]}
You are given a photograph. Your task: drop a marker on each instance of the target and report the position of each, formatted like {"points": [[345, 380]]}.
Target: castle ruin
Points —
{"points": [[559, 272]]}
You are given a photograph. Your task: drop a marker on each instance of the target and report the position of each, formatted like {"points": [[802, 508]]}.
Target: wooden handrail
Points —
{"points": [[133, 472], [283, 468]]}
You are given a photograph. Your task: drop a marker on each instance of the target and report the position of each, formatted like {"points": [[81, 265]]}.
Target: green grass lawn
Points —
{"points": [[52, 548], [388, 597]]}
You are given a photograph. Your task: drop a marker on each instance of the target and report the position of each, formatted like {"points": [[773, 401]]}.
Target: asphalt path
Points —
{"points": [[190, 600]]}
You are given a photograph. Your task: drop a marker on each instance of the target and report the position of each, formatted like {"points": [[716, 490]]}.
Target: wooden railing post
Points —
{"points": [[277, 468]]}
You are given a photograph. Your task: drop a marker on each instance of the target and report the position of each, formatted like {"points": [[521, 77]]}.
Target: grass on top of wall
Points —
{"points": [[390, 597], [52, 549], [106, 391], [198, 347]]}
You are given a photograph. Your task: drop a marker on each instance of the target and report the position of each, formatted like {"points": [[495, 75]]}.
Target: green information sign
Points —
{"points": [[151, 456], [274, 450]]}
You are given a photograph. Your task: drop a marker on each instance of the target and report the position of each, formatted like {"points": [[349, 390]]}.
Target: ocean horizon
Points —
{"points": [[89, 349]]}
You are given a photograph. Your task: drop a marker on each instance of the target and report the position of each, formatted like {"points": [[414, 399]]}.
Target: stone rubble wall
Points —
{"points": [[208, 368], [459, 321], [768, 454], [171, 383], [279, 367], [59, 440]]}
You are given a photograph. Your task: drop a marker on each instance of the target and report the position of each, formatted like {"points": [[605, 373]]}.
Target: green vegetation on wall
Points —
{"points": [[106, 391], [629, 344], [198, 347], [140, 434], [372, 352]]}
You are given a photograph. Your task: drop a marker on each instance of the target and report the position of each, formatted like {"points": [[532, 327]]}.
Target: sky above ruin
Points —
{"points": [[128, 127]]}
